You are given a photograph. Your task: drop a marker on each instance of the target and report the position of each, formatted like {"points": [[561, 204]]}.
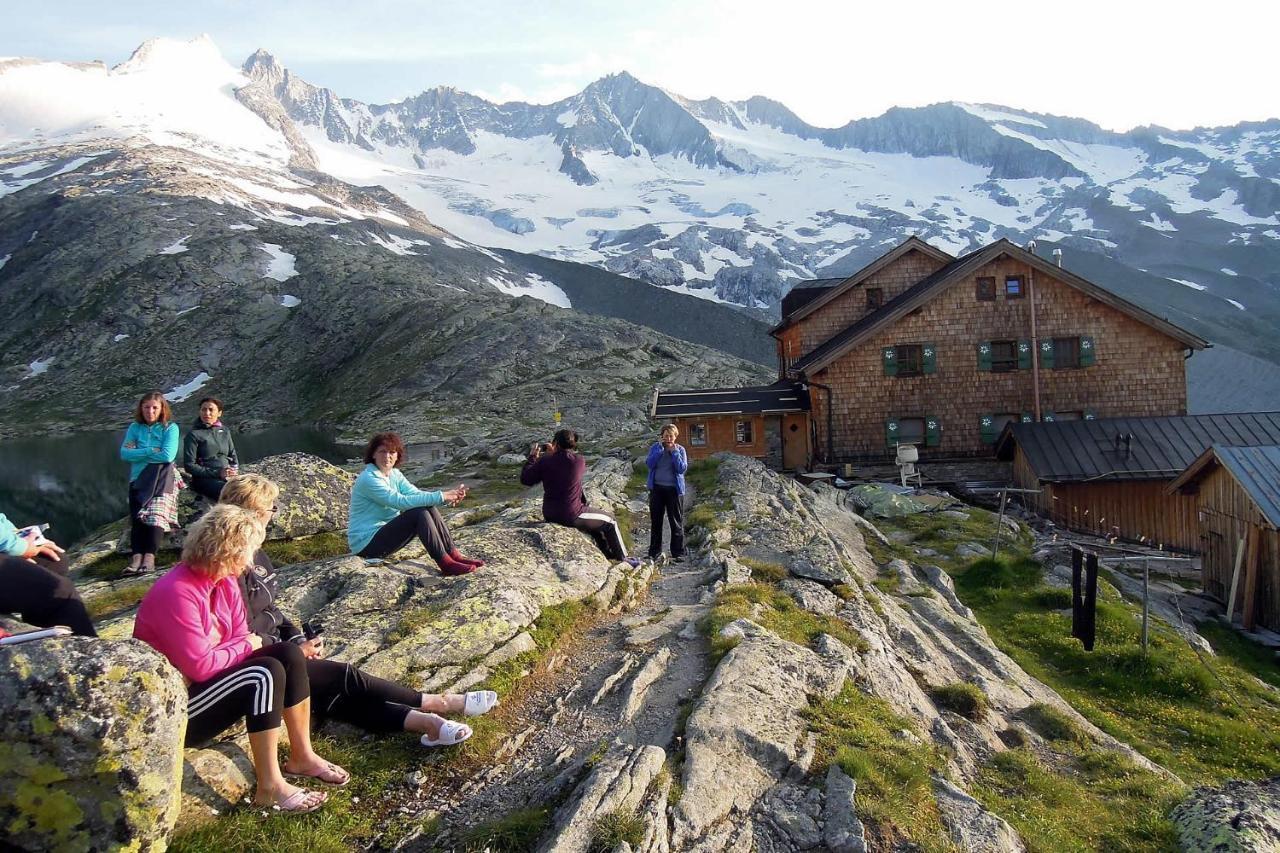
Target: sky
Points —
{"points": [[1120, 63]]}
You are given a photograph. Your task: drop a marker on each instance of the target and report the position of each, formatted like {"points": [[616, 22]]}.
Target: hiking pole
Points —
{"points": [[995, 545]]}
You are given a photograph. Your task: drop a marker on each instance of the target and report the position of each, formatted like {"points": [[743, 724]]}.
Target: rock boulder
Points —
{"points": [[91, 745], [1238, 817]]}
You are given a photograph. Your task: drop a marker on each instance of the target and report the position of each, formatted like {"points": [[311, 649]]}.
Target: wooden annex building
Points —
{"points": [[920, 347], [1236, 492], [769, 422], [1112, 476]]}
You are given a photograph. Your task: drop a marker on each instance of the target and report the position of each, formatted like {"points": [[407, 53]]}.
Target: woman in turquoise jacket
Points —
{"points": [[387, 511], [151, 438]]}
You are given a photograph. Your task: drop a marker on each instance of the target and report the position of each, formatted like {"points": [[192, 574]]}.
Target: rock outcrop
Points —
{"points": [[1238, 817], [91, 745]]}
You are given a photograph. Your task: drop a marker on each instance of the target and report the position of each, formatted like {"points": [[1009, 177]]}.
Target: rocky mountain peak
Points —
{"points": [[262, 65], [163, 53]]}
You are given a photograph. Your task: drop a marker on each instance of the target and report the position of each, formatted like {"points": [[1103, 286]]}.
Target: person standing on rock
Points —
{"points": [[387, 511], [150, 440], [667, 462], [560, 468], [208, 453], [34, 582], [195, 616], [340, 690]]}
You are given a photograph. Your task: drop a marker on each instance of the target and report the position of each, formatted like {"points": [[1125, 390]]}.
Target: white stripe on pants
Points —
{"points": [[257, 676]]}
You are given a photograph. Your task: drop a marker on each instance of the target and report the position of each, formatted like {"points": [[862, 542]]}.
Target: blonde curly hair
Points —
{"points": [[222, 541], [253, 492]]}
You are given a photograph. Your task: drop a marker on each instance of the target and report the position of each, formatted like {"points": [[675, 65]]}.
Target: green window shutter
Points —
{"points": [[1090, 415], [1024, 355], [889, 357], [984, 355], [1046, 353], [929, 358], [891, 432], [1087, 351], [932, 432], [1048, 417], [988, 428], [1028, 418]]}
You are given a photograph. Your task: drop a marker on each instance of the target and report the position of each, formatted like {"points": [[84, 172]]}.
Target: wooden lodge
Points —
{"points": [[1236, 493], [1111, 476], [769, 422], [920, 347]]}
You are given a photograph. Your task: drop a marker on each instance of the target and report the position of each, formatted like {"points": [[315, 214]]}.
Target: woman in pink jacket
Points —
{"points": [[195, 617]]}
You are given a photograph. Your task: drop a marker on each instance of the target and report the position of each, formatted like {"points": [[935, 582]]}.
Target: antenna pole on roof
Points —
{"points": [[1035, 340]]}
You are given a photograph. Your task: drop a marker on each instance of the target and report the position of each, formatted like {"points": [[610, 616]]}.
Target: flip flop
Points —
{"points": [[330, 774], [296, 803], [451, 733], [479, 702]]}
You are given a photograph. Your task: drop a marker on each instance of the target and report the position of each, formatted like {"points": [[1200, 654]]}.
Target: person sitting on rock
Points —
{"points": [[208, 453], [560, 468], [150, 440], [34, 582], [387, 511], [340, 690], [195, 616]]}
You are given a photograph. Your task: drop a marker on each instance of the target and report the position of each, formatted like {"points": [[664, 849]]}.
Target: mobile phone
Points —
{"points": [[42, 634], [34, 532]]}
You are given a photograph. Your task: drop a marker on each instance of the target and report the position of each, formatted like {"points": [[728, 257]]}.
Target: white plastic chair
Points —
{"points": [[906, 458]]}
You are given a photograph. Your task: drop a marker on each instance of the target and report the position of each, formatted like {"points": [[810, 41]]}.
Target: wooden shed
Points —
{"points": [[1237, 497], [769, 422], [1111, 476]]}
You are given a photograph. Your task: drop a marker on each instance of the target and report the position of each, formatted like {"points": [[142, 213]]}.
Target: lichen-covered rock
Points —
{"points": [[843, 831], [315, 497], [1238, 817], [618, 783], [90, 745]]}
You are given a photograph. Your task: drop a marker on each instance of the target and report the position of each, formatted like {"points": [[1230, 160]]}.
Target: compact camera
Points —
{"points": [[312, 628]]}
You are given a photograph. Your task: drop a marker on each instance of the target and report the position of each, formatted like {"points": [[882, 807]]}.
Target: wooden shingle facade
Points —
{"points": [[923, 348], [769, 422]]}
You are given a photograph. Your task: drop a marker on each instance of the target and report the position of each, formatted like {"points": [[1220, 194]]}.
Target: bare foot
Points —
{"points": [[318, 768], [443, 703]]}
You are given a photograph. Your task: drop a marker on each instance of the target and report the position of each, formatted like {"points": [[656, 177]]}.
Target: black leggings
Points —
{"points": [[42, 594], [603, 529], [143, 538], [665, 501], [341, 691], [258, 689], [424, 522]]}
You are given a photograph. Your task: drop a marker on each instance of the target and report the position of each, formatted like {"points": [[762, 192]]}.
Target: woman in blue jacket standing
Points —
{"points": [[151, 438], [667, 462]]}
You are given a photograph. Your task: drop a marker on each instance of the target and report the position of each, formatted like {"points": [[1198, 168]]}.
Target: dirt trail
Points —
{"points": [[629, 677]]}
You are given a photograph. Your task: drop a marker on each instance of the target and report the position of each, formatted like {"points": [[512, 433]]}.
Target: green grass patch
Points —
{"points": [[480, 515], [771, 608], [895, 798], [764, 571], [961, 698], [112, 566], [703, 475], [625, 523], [286, 552], [638, 482], [615, 828], [1097, 801], [1205, 725], [412, 620], [377, 769], [120, 598], [517, 832], [1252, 657], [1053, 724]]}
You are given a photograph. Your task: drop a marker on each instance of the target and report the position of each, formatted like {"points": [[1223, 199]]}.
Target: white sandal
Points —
{"points": [[451, 733], [479, 702]]}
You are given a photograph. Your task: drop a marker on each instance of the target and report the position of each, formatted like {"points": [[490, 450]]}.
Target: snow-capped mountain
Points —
{"points": [[733, 202]]}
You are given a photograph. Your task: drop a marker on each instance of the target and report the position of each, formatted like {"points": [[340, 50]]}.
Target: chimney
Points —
{"points": [[1057, 257]]}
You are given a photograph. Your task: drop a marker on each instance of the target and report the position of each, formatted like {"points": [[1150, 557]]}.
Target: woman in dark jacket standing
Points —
{"points": [[208, 453]]}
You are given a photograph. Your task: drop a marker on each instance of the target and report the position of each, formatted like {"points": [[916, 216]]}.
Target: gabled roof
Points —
{"points": [[774, 399], [926, 289], [1256, 469], [830, 292], [1159, 448], [804, 292]]}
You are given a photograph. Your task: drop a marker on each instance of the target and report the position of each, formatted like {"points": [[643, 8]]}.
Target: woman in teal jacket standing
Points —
{"points": [[151, 438]]}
